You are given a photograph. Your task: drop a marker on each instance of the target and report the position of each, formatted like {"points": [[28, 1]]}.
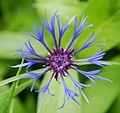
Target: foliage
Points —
{"points": [[20, 16]]}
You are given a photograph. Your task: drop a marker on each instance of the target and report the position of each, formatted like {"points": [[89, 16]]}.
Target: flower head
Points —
{"points": [[60, 60]]}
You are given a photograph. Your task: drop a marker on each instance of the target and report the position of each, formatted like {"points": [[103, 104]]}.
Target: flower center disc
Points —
{"points": [[60, 60]]}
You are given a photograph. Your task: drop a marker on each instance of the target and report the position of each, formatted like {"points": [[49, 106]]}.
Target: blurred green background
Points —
{"points": [[17, 17]]}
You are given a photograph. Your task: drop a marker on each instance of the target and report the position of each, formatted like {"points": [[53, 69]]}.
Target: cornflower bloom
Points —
{"points": [[60, 60]]}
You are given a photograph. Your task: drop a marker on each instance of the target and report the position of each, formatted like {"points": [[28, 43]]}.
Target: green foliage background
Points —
{"points": [[21, 16]]}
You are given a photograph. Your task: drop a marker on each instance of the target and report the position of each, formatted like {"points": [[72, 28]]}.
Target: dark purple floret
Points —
{"points": [[60, 60]]}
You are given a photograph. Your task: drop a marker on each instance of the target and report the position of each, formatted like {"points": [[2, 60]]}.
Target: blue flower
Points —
{"points": [[60, 60]]}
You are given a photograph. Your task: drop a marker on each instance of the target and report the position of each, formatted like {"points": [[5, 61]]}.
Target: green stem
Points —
{"points": [[12, 105], [9, 80], [11, 95], [15, 78]]}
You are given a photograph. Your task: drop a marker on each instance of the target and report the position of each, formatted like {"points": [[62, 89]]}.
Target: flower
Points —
{"points": [[60, 60]]}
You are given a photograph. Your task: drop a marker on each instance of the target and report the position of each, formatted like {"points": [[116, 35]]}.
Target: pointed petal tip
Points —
{"points": [[50, 93], [20, 65], [109, 80], [91, 26], [26, 33], [94, 85], [60, 107], [16, 66], [87, 86], [88, 102], [37, 91], [31, 90]]}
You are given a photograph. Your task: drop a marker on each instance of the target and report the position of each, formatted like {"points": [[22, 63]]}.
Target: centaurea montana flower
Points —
{"points": [[60, 60]]}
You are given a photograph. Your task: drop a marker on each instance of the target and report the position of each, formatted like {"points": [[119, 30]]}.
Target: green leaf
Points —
{"points": [[4, 96], [14, 18], [19, 106], [9, 42], [3, 102], [3, 69], [12, 41], [110, 31], [104, 94], [3, 82], [6, 107], [98, 15], [30, 103], [115, 106], [18, 89], [69, 7], [54, 102]]}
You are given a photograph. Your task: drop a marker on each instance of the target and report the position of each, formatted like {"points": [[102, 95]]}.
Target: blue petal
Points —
{"points": [[32, 87], [21, 65], [35, 76], [91, 74], [76, 23], [87, 44], [45, 24], [69, 93], [30, 75], [78, 30], [100, 78], [62, 29], [45, 88], [51, 27], [39, 35], [63, 103], [32, 62], [29, 50], [50, 93], [41, 101], [79, 86], [95, 59], [83, 94]]}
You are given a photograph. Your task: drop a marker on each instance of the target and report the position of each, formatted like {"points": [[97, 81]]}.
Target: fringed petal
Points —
{"points": [[78, 30], [51, 27], [69, 94], [87, 44], [62, 29], [79, 86], [91, 74], [95, 59]]}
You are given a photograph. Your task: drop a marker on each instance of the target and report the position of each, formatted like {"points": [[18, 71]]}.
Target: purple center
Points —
{"points": [[60, 60]]}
